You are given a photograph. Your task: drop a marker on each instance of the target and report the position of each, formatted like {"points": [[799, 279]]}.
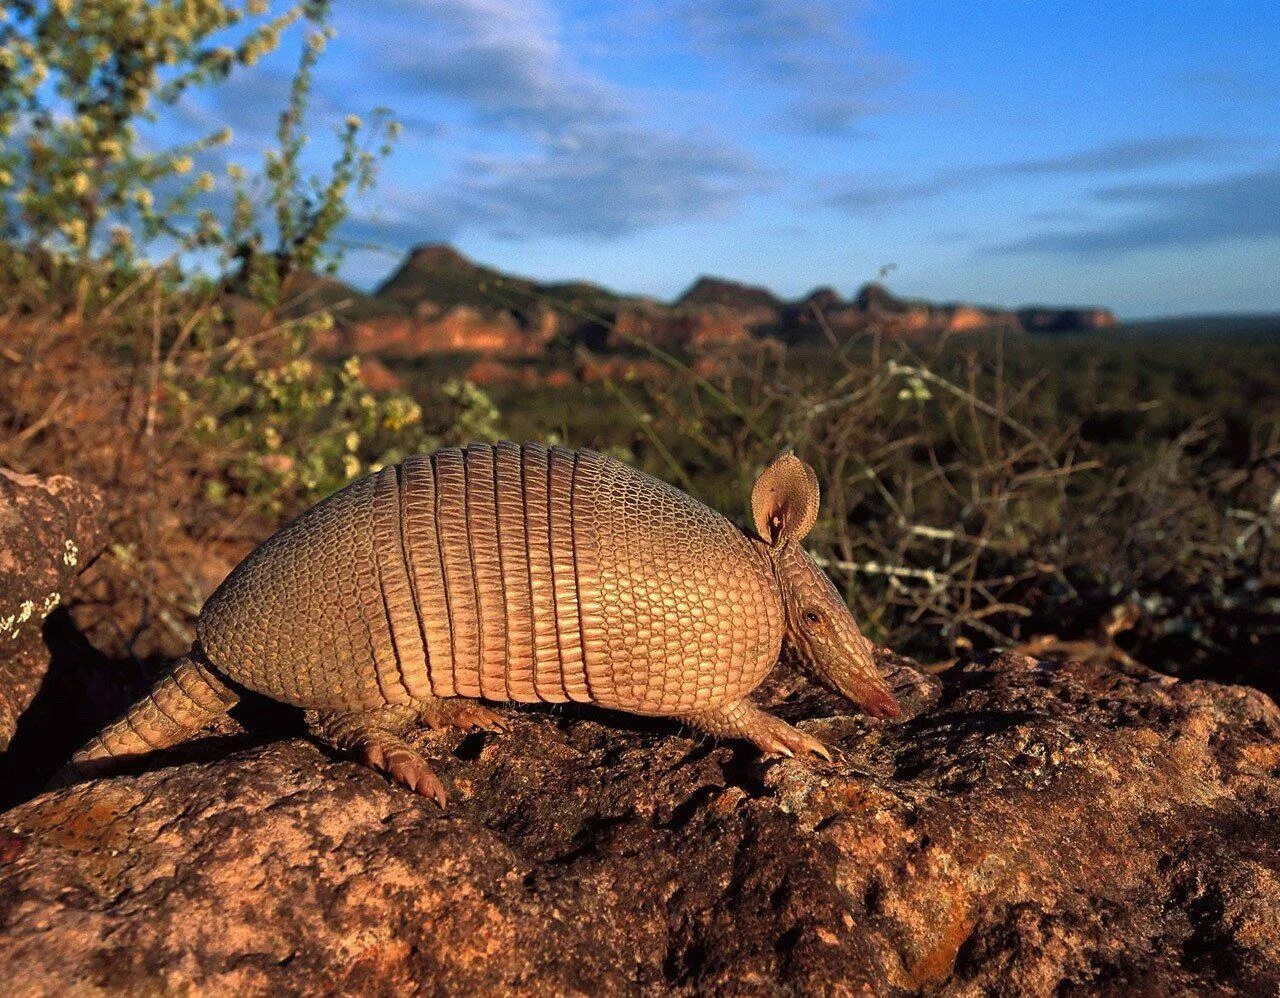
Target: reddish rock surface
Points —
{"points": [[438, 301], [378, 377], [1026, 828], [486, 372], [458, 329], [694, 329], [50, 529]]}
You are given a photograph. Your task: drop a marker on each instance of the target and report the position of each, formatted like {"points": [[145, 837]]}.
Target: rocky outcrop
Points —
{"points": [[440, 274], [823, 299], [439, 301], [696, 330], [461, 328], [877, 307], [50, 529], [1025, 828]]}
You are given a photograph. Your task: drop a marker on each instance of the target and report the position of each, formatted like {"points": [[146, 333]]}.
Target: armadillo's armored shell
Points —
{"points": [[507, 572]]}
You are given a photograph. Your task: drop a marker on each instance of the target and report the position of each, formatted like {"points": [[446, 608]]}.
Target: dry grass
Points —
{"points": [[205, 422], [963, 512]]}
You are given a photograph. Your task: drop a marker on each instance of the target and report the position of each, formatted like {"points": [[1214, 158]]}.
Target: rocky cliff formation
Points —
{"points": [[438, 301], [757, 308], [1065, 320]]}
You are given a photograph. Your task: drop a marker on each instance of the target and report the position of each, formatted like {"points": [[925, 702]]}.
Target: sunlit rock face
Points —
{"points": [[438, 301], [1025, 827]]}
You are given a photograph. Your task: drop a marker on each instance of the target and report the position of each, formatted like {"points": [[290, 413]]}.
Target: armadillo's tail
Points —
{"points": [[183, 701]]}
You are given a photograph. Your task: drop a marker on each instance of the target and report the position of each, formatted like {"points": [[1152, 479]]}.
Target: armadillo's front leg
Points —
{"points": [[437, 713], [374, 737], [743, 719]]}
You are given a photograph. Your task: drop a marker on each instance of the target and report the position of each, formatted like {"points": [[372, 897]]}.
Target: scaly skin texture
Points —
{"points": [[516, 573]]}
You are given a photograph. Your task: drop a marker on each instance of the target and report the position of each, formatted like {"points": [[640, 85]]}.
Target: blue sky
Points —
{"points": [[1124, 154]]}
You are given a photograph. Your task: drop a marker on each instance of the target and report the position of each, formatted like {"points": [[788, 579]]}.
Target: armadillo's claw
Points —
{"points": [[818, 750], [407, 768], [790, 742], [428, 785], [771, 735], [461, 714]]}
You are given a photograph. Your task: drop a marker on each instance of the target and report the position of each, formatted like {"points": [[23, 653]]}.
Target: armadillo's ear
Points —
{"points": [[784, 500]]}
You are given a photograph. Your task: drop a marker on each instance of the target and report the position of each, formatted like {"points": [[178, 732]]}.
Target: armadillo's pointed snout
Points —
{"points": [[874, 695], [854, 676], [866, 690]]}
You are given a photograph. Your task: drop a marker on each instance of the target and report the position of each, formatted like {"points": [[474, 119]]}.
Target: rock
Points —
{"points": [[376, 376], [458, 329], [967, 319], [50, 529], [1026, 828], [875, 297], [909, 317], [691, 329], [487, 372], [439, 301], [439, 273]]}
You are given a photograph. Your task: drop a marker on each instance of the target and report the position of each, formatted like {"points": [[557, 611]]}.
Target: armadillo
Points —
{"points": [[514, 573]]}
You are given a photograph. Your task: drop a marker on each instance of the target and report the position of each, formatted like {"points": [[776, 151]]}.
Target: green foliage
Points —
{"points": [[79, 180], [306, 211], [77, 78], [283, 431], [217, 419]]}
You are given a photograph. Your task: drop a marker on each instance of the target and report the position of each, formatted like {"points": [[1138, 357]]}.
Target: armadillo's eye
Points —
{"points": [[810, 617]]}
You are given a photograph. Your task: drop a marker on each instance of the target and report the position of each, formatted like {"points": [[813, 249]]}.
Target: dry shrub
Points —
{"points": [[967, 507], [206, 421]]}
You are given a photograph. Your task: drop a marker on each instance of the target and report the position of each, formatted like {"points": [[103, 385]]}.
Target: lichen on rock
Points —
{"points": [[45, 525]]}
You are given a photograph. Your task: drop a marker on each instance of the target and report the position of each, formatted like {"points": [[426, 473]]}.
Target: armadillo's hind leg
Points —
{"points": [[437, 713], [743, 719], [375, 737]]}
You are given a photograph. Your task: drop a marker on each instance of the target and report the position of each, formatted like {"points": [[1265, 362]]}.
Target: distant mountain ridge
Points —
{"points": [[439, 300]]}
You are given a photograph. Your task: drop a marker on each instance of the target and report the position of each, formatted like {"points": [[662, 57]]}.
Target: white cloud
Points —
{"points": [[501, 60], [810, 49], [586, 160]]}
